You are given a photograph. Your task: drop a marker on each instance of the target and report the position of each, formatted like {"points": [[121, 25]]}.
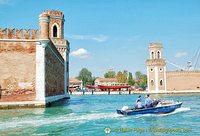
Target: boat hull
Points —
{"points": [[154, 110]]}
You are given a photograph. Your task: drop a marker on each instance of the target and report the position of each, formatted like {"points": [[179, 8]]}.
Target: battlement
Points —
{"points": [[53, 13], [152, 45], [13, 33]]}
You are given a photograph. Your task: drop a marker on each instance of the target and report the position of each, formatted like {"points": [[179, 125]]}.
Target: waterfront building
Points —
{"points": [[161, 80], [75, 84], [34, 69]]}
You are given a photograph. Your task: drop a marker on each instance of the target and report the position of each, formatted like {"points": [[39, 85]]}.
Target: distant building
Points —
{"points": [[105, 81], [108, 82], [158, 79], [74, 84]]}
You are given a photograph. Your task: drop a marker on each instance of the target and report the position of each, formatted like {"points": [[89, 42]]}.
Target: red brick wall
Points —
{"points": [[17, 68], [54, 72]]}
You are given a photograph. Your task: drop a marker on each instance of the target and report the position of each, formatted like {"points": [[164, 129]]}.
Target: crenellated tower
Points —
{"points": [[52, 27], [156, 68]]}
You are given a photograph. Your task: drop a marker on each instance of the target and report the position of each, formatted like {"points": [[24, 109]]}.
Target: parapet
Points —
{"points": [[151, 45], [7, 33], [53, 13]]}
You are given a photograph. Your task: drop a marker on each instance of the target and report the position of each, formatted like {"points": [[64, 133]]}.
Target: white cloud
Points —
{"points": [[99, 38], [80, 53], [7, 2], [180, 54]]}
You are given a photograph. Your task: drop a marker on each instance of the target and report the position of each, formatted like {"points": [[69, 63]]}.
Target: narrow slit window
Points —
{"points": [[152, 55], [152, 83], [161, 82], [55, 31], [158, 54]]}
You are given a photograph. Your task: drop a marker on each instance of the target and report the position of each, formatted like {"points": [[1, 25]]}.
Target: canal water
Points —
{"points": [[93, 115]]}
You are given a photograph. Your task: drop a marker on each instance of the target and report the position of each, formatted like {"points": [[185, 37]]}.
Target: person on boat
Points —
{"points": [[139, 105], [139, 98], [148, 101], [155, 102]]}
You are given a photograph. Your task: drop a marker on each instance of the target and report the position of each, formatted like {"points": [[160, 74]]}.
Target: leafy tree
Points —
{"points": [[138, 75], [130, 79], [110, 74], [144, 80], [124, 76], [86, 76], [119, 77]]}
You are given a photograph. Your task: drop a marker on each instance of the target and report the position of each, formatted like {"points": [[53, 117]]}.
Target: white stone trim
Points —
{"points": [[165, 78], [148, 78], [40, 72], [22, 103], [57, 17], [44, 18], [65, 72], [156, 78], [58, 30]]}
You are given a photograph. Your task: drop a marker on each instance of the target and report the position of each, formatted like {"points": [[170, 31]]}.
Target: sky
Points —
{"points": [[116, 33]]}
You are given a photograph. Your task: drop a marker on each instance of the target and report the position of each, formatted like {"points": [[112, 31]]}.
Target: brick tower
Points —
{"points": [[156, 68]]}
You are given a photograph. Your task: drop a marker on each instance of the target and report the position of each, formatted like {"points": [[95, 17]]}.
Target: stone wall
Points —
{"points": [[183, 80], [54, 74], [17, 68]]}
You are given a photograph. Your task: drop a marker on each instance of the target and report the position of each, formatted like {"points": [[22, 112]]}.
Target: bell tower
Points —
{"points": [[156, 68]]}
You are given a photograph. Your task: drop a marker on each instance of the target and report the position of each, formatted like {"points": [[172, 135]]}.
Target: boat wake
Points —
{"points": [[167, 114], [73, 118]]}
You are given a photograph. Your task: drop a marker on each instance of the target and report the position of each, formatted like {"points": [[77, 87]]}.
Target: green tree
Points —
{"points": [[86, 76], [119, 77], [130, 79], [124, 76], [138, 75], [110, 74], [144, 80]]}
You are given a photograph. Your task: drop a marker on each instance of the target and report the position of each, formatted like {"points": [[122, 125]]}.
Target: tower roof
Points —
{"points": [[53, 13], [151, 45]]}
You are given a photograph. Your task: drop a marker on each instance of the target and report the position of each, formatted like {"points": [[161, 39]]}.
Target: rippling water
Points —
{"points": [[90, 115]]}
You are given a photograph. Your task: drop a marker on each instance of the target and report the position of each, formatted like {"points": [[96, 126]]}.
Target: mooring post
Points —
{"points": [[108, 91], [129, 91], [92, 92]]}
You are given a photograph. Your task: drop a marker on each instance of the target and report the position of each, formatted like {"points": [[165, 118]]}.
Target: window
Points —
{"points": [[152, 82], [151, 69], [152, 55], [161, 82], [55, 31], [161, 69], [158, 54], [67, 66]]}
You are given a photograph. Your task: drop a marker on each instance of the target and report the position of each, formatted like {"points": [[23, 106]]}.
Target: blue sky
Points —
{"points": [[116, 33]]}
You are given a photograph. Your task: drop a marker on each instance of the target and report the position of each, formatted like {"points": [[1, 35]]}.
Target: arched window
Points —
{"points": [[55, 31], [152, 55], [158, 54], [152, 83], [161, 82]]}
